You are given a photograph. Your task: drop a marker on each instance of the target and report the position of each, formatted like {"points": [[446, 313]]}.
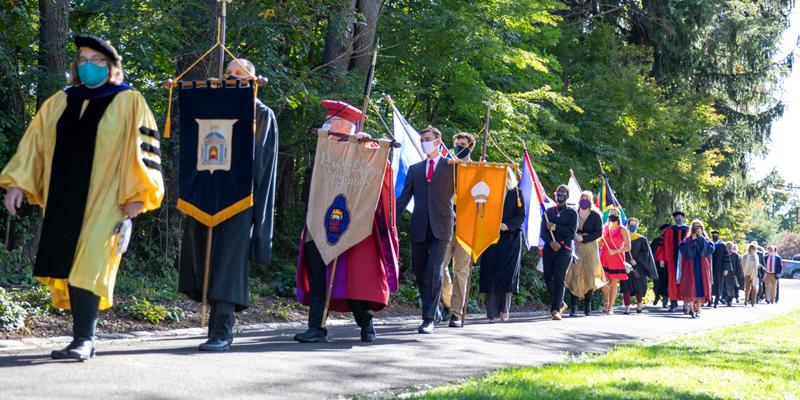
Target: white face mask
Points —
{"points": [[428, 147]]}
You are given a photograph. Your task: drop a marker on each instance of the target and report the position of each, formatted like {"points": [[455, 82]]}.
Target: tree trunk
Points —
{"points": [[365, 34], [200, 37], [53, 36], [339, 38]]}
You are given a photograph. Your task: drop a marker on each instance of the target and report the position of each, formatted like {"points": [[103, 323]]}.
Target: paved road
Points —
{"points": [[269, 365]]}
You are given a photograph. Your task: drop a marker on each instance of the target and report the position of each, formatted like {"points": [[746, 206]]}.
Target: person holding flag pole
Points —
{"points": [[555, 234]]}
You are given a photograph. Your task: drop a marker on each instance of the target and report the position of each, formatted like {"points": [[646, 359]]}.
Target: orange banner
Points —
{"points": [[480, 193]]}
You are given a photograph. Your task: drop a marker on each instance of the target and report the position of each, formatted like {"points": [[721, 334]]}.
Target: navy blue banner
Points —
{"points": [[216, 152]]}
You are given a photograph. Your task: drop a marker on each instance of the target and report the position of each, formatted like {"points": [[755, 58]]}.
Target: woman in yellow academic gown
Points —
{"points": [[90, 158]]}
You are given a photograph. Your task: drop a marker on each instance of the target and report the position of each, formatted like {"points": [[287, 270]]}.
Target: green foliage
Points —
{"points": [[162, 286], [144, 310], [15, 267], [280, 310], [34, 299], [12, 314]]}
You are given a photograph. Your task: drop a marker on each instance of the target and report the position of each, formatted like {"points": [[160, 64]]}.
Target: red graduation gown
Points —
{"points": [[668, 253]]}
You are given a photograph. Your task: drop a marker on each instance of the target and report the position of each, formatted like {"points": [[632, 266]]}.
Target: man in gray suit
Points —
{"points": [[430, 183]]}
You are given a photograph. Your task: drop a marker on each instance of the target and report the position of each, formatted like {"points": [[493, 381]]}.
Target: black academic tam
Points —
{"points": [[97, 44]]}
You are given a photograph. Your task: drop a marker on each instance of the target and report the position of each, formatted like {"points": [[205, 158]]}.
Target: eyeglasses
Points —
{"points": [[93, 60]]}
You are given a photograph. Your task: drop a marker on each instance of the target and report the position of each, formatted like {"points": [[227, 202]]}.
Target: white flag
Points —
{"points": [[410, 152], [574, 191]]}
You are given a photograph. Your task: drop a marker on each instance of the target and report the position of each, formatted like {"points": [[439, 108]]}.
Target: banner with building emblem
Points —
{"points": [[215, 180], [345, 188], [480, 193]]}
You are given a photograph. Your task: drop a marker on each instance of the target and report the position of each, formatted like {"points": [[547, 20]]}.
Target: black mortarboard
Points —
{"points": [[676, 213], [97, 44], [715, 232]]}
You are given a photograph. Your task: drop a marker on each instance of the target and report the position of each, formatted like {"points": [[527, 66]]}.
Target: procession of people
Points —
{"points": [[110, 171]]}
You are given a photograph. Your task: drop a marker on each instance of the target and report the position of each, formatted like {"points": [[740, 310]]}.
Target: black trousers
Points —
{"points": [[555, 270], [427, 259], [85, 306], [660, 287], [221, 320], [317, 278]]}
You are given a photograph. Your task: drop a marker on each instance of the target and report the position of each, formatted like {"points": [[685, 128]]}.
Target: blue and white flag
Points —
{"points": [[409, 153], [536, 203]]}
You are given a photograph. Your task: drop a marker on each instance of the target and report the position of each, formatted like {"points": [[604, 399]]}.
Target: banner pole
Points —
{"points": [[486, 128], [368, 86], [329, 292], [222, 29]]}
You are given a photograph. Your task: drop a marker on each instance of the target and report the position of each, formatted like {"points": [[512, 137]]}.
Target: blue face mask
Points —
{"points": [[92, 75], [633, 228], [462, 152]]}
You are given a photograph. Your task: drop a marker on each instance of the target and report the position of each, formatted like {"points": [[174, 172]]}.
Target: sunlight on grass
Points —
{"points": [[753, 361]]}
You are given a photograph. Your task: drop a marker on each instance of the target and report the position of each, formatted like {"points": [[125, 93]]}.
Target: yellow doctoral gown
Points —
{"points": [[119, 176]]}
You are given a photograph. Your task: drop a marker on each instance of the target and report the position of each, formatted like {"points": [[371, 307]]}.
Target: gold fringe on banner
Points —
{"points": [[218, 218]]}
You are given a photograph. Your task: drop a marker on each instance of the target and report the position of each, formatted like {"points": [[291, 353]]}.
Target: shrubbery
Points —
{"points": [[144, 310]]}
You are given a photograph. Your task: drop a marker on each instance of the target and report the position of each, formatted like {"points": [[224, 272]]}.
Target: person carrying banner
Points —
{"points": [[236, 242], [365, 273], [90, 159], [667, 256], [430, 184], [558, 230], [455, 287]]}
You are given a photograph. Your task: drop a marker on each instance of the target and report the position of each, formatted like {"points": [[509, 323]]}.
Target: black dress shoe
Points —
{"points": [[80, 350], [216, 344], [368, 333], [455, 322], [312, 336], [573, 313], [673, 309], [426, 328]]}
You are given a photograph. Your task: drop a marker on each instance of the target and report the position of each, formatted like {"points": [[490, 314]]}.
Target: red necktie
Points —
{"points": [[430, 171]]}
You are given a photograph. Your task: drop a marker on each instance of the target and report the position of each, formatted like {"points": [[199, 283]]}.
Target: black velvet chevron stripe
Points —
{"points": [[151, 149], [149, 132], [152, 164]]}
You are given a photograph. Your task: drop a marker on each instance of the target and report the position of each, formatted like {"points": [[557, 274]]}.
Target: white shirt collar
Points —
{"points": [[435, 160]]}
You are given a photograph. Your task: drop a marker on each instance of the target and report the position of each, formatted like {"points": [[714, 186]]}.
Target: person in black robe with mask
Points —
{"points": [[500, 263], [240, 240], [558, 231], [735, 278], [720, 269], [660, 288]]}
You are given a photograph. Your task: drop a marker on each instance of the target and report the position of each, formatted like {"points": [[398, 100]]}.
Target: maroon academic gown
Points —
{"points": [[667, 252], [369, 270]]}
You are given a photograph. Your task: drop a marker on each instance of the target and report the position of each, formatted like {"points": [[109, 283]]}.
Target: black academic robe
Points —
{"points": [[735, 279], [500, 263], [240, 240], [720, 262], [645, 266]]}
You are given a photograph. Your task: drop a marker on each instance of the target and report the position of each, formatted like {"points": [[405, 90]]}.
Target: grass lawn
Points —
{"points": [[753, 361]]}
